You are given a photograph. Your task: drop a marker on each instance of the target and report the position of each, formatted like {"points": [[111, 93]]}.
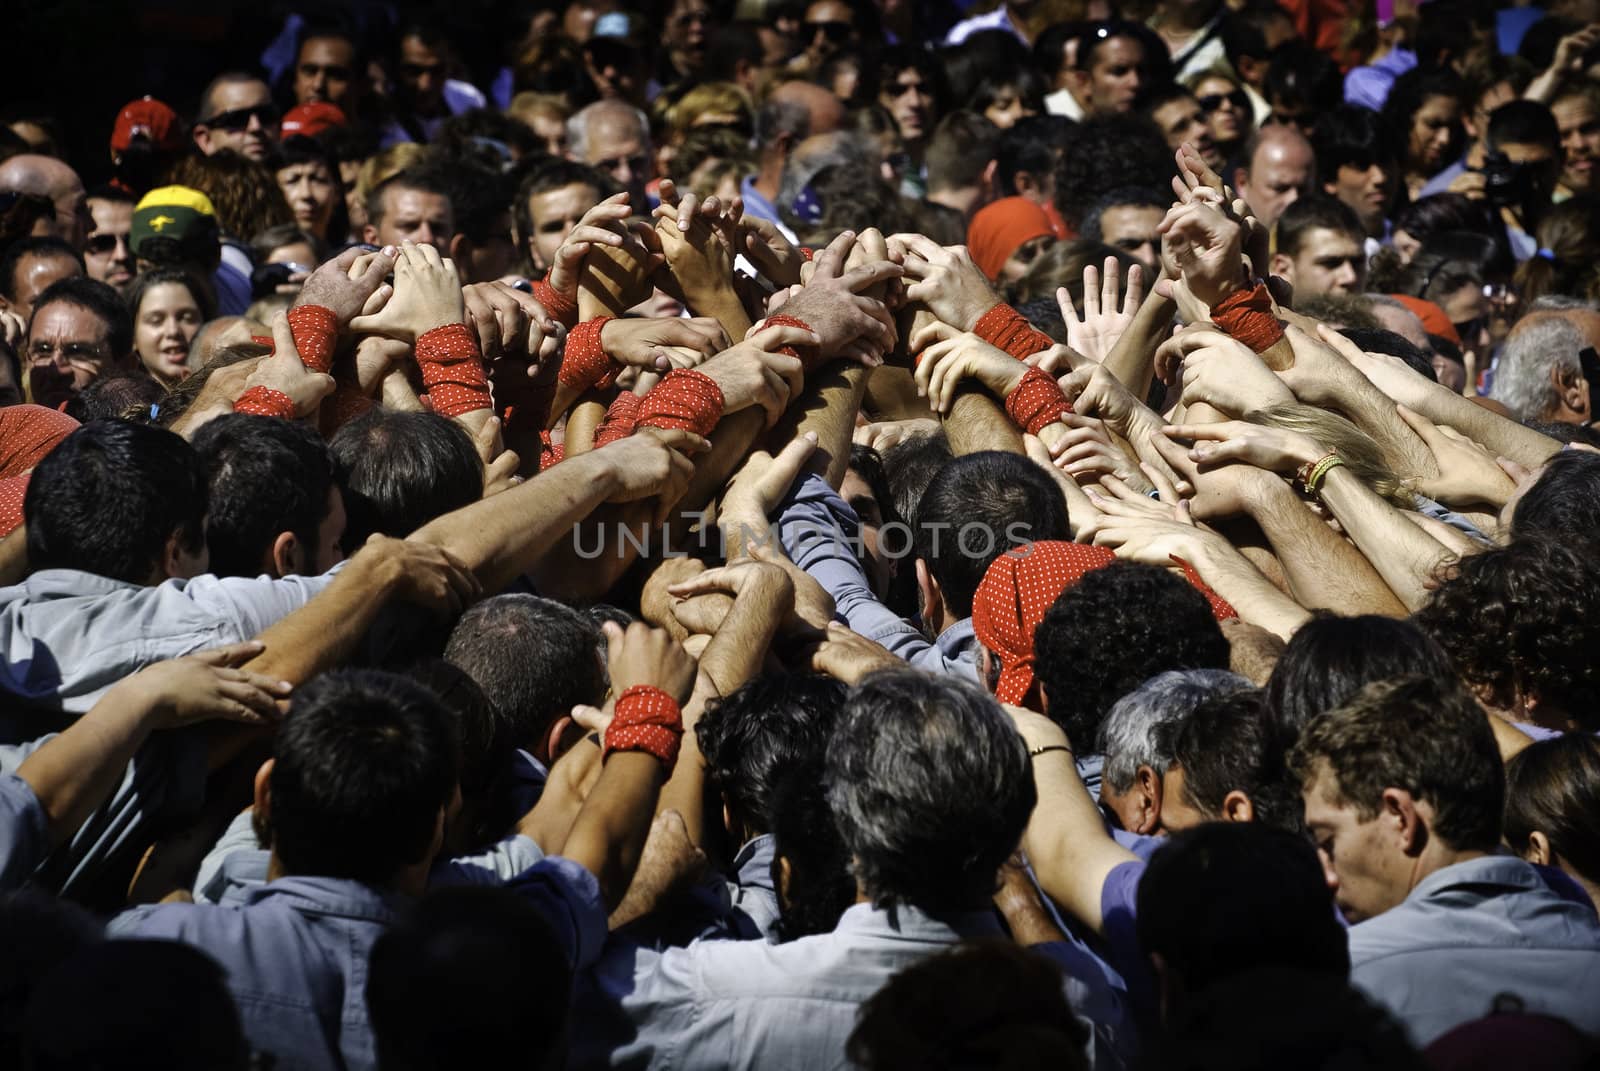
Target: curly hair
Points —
{"points": [[1521, 625], [244, 192], [1112, 631], [1107, 152]]}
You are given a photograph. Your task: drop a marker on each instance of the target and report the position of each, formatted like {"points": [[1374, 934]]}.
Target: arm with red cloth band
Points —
{"points": [[584, 363], [316, 334], [686, 399], [1007, 329], [622, 416], [1036, 402], [452, 370], [264, 401], [812, 358], [561, 308], [646, 719], [1246, 315]]}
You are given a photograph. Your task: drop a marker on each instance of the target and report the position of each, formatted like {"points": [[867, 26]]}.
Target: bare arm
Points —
{"points": [[1404, 555]]}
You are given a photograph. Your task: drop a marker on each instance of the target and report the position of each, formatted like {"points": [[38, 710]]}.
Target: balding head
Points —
{"points": [[615, 137], [1278, 169], [825, 109], [52, 179]]}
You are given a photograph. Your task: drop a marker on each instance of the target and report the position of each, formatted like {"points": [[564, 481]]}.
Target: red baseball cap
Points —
{"points": [[146, 117], [1434, 319], [309, 120]]}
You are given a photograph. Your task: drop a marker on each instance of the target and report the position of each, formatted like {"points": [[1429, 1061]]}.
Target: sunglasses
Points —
{"points": [[837, 32], [239, 118], [1212, 101], [104, 243]]}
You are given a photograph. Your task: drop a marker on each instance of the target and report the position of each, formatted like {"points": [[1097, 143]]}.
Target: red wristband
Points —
{"points": [[1036, 402], [558, 305], [316, 331], [264, 401], [584, 363], [1246, 315], [622, 416], [646, 719], [550, 451], [452, 371], [1007, 329], [686, 399], [811, 356]]}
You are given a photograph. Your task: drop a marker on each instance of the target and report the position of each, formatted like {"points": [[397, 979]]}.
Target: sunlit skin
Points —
{"points": [[1181, 120], [1366, 190], [1327, 262], [163, 330], [1279, 173], [1229, 123], [412, 215], [554, 214], [256, 139], [1578, 120], [73, 340], [1433, 133], [1115, 78], [34, 275], [113, 219], [310, 190], [910, 102], [1132, 228]]}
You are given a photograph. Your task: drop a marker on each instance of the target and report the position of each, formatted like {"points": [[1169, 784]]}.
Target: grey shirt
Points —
{"points": [[1470, 932], [751, 1004]]}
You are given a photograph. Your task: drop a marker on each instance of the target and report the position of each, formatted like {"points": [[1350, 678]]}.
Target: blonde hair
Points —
{"points": [[709, 98], [1361, 453], [527, 106], [385, 166]]}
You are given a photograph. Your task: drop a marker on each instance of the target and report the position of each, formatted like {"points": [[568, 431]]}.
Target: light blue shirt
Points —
{"points": [[24, 831], [295, 952], [1470, 932], [750, 1004], [819, 530]]}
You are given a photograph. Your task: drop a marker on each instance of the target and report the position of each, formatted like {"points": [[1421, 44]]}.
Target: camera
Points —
{"points": [[1506, 183]]}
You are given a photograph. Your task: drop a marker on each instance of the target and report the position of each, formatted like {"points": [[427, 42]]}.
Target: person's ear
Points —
{"points": [[1252, 69], [1282, 266], [1572, 388], [1538, 850], [784, 877], [931, 598], [1238, 807], [285, 557], [458, 247], [1398, 811], [550, 747], [177, 561], [1078, 83], [1241, 180], [369, 234], [262, 791], [1025, 184], [1147, 784], [202, 139], [990, 184]]}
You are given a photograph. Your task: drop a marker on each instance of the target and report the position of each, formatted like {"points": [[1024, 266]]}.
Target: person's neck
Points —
{"points": [[1435, 857], [770, 178]]}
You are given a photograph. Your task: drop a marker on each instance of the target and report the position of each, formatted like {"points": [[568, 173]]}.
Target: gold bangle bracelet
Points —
{"points": [[1034, 753]]}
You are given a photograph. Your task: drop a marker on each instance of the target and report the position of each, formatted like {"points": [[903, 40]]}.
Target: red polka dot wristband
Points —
{"points": [[647, 719], [1007, 329], [316, 333], [584, 363], [452, 370], [1037, 402], [264, 401], [1246, 315], [686, 399]]}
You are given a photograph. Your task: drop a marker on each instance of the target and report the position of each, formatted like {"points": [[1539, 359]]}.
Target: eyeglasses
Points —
{"points": [[104, 243], [834, 31], [239, 118], [1212, 101]]}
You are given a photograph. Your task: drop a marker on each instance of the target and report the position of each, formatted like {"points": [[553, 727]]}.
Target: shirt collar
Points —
{"points": [[914, 924], [328, 896], [1505, 870]]}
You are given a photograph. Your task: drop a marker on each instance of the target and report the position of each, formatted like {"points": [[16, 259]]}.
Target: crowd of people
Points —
{"points": [[812, 534]]}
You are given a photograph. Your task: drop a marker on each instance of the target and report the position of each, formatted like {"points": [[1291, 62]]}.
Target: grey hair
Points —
{"points": [[843, 149], [1131, 735], [1522, 380], [1562, 303], [578, 125], [779, 117], [930, 785]]}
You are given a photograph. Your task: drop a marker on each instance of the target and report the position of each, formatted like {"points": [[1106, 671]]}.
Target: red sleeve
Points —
{"points": [[621, 418], [560, 307], [452, 370], [584, 363], [264, 401], [1008, 329], [1246, 315], [316, 332]]}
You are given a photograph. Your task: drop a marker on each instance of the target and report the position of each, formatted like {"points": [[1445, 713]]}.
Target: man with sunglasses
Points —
{"points": [[237, 113], [108, 255]]}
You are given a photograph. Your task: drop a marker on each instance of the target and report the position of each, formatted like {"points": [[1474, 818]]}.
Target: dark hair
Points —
{"points": [[400, 470], [98, 299], [38, 932], [486, 750], [1227, 897], [1382, 340], [983, 1003], [42, 248], [931, 788], [1032, 144], [485, 139], [1134, 196], [1302, 75], [1564, 502], [908, 57], [769, 724], [1231, 743], [100, 1008], [1441, 212], [1523, 122], [109, 496], [1025, 82], [364, 764], [1277, 1017], [1450, 260], [727, 45], [1520, 623], [266, 476], [1004, 498], [481, 198], [960, 148], [819, 886], [1107, 152], [1426, 736], [1553, 787], [1112, 631], [910, 466], [273, 239], [979, 55], [1310, 212], [146, 281], [1350, 136], [535, 659], [119, 396], [1330, 658], [468, 975], [1244, 33]]}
